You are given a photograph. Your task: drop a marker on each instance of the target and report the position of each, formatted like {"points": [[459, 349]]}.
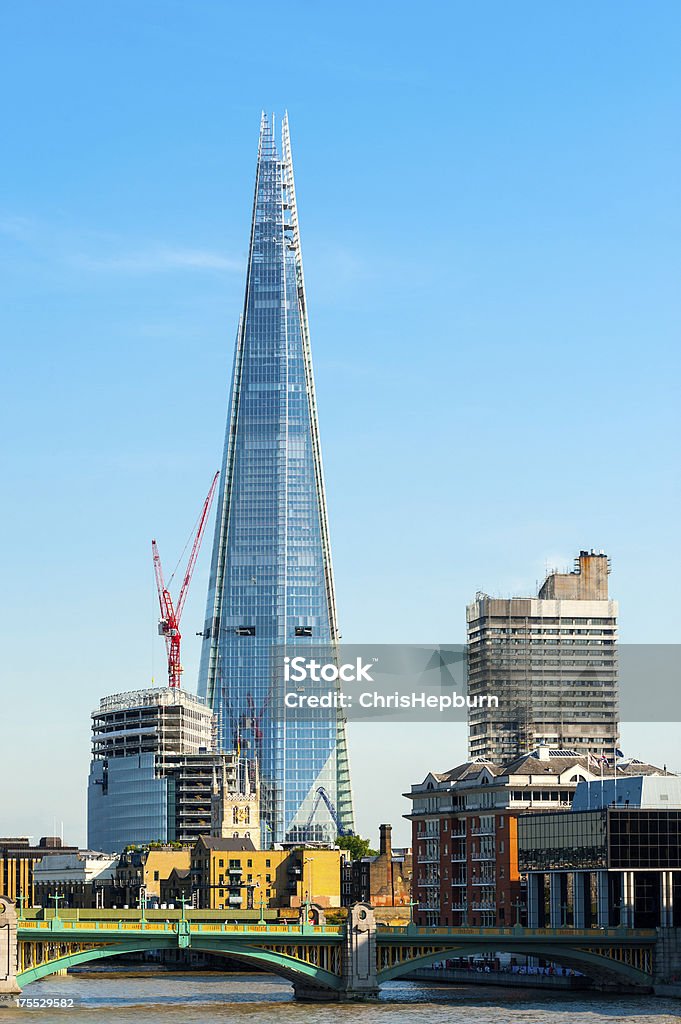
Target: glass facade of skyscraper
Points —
{"points": [[271, 582]]}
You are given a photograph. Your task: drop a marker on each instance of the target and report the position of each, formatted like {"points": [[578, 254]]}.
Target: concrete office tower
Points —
{"points": [[271, 581], [552, 661], [154, 769]]}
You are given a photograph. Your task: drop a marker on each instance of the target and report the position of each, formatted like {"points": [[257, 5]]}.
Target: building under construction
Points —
{"points": [[552, 662], [155, 775]]}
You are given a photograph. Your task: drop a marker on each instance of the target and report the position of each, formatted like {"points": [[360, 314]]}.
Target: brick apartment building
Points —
{"points": [[465, 832]]}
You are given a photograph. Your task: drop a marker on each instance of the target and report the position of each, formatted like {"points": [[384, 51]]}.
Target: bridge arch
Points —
{"points": [[287, 967], [592, 965], [83, 956]]}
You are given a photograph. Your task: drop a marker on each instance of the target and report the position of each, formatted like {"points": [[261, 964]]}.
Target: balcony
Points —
{"points": [[483, 830], [484, 855], [484, 905], [459, 858], [461, 880], [484, 880]]}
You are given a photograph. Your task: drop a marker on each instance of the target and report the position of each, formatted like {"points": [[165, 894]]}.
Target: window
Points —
{"points": [[268, 863], [221, 863], [156, 876], [249, 863]]}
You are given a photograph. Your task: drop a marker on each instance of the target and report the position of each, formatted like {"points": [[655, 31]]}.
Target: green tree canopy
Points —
{"points": [[356, 847]]}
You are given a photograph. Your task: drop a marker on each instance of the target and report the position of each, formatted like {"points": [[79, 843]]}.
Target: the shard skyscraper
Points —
{"points": [[271, 581]]}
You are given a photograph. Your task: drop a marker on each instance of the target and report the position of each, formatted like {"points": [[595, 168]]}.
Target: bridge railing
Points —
{"points": [[170, 927], [492, 932]]}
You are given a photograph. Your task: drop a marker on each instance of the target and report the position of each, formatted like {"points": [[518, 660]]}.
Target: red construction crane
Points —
{"points": [[169, 625]]}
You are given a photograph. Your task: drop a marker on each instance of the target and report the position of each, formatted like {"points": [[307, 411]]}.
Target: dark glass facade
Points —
{"points": [[566, 840], [271, 580], [631, 839], [645, 839]]}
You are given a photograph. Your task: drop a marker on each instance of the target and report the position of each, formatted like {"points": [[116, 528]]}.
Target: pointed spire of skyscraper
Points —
{"points": [[271, 575]]}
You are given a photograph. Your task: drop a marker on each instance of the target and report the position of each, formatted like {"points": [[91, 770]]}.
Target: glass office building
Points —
{"points": [[153, 769], [271, 582]]}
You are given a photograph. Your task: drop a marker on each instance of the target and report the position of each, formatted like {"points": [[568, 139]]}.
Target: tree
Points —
{"points": [[356, 847]]}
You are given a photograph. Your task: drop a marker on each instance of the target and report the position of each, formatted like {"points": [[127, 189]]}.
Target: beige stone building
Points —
{"points": [[235, 804]]}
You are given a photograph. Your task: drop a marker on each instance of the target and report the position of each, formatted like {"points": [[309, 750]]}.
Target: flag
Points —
{"points": [[591, 761], [618, 753]]}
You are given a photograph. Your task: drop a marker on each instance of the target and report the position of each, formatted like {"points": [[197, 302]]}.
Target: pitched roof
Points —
{"points": [[178, 873], [228, 845], [469, 769], [560, 761]]}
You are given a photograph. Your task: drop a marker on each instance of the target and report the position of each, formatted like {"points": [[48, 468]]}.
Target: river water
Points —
{"points": [[157, 998]]}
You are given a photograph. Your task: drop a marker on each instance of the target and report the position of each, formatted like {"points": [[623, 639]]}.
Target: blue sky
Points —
{"points": [[489, 204]]}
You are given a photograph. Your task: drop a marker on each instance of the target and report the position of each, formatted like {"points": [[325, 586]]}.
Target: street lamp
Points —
{"points": [[309, 894], [261, 902], [21, 899], [519, 905], [465, 913], [412, 904], [56, 897]]}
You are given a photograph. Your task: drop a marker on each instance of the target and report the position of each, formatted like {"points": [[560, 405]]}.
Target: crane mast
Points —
{"points": [[171, 614]]}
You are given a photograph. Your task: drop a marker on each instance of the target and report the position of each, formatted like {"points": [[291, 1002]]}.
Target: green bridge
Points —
{"points": [[348, 961]]}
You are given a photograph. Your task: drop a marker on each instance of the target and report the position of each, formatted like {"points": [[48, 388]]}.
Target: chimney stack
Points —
{"points": [[385, 842]]}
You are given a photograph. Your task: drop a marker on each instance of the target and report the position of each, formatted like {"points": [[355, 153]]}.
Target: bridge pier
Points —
{"points": [[9, 988], [667, 955], [358, 959]]}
